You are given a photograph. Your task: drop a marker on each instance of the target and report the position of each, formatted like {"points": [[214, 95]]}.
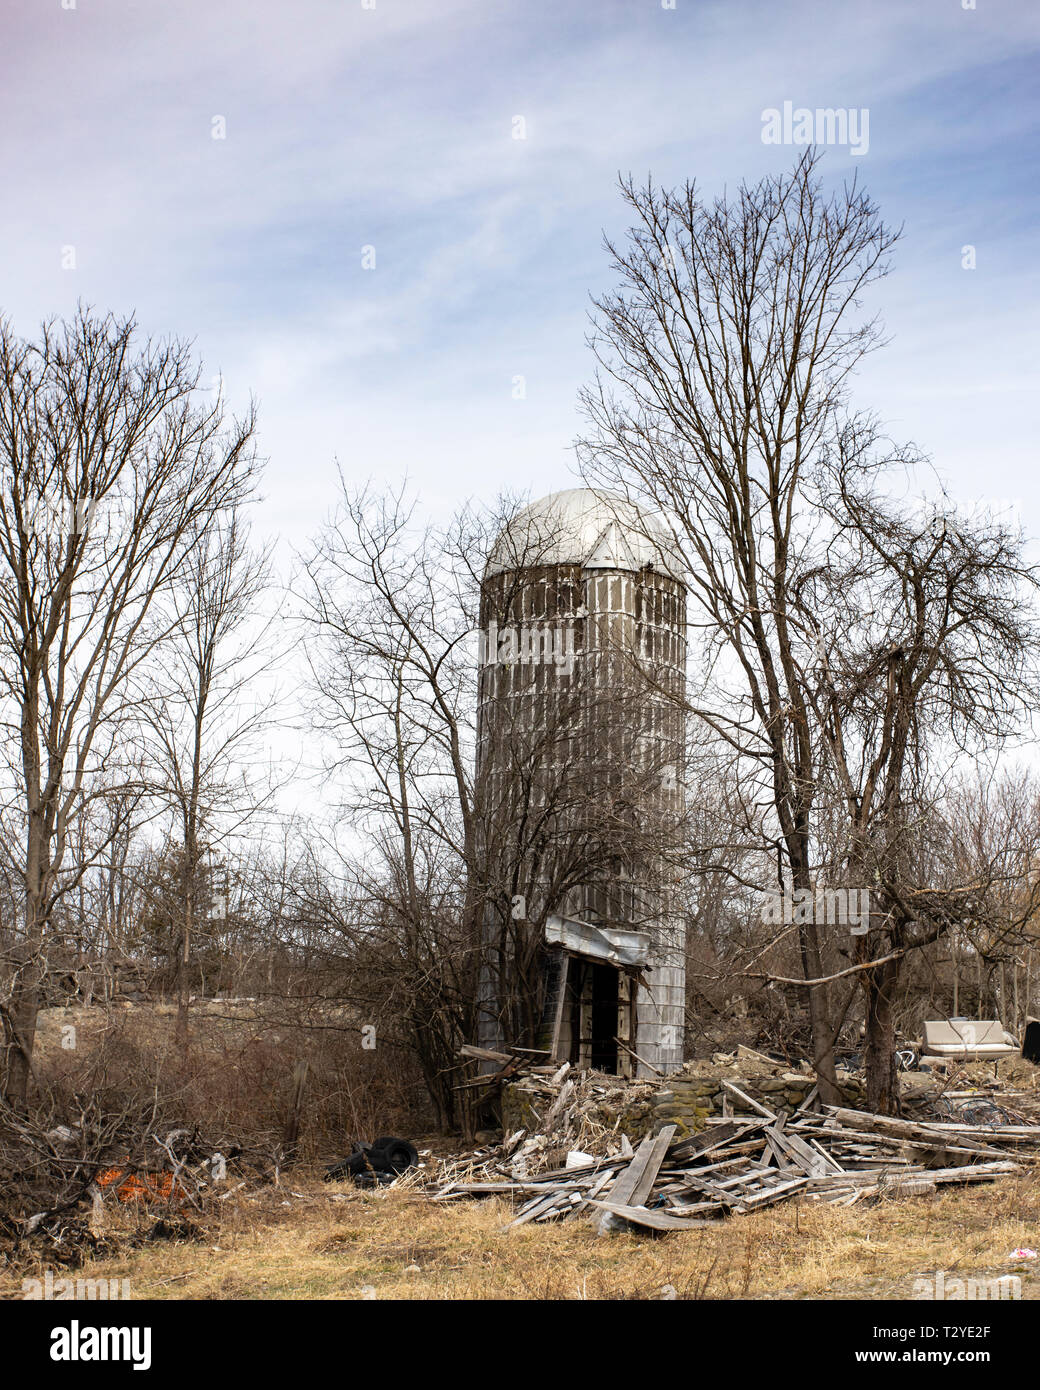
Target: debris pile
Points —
{"points": [[57, 1179], [574, 1165]]}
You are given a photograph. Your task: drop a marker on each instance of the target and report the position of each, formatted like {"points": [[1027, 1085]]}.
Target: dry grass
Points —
{"points": [[398, 1245]]}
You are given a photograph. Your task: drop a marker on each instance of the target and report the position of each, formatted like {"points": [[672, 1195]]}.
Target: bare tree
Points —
{"points": [[111, 466], [852, 645], [724, 358], [206, 713], [927, 640], [391, 616]]}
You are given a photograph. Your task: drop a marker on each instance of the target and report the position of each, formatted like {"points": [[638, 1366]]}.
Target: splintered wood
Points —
{"points": [[734, 1166]]}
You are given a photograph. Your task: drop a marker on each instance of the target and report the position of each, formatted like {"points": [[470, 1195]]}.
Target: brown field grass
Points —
{"points": [[309, 1241]]}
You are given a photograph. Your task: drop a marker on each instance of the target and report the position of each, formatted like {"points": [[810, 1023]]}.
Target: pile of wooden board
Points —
{"points": [[739, 1165], [518, 1061]]}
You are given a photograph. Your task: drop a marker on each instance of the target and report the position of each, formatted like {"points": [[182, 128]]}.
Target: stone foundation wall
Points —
{"points": [[688, 1101]]}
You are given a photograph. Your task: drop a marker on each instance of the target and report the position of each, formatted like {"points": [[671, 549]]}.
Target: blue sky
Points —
{"points": [[392, 127]]}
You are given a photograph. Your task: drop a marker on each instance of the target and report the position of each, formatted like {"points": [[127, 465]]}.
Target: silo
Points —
{"points": [[580, 752]]}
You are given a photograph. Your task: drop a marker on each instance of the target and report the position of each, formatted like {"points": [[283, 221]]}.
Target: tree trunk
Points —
{"points": [[880, 1056], [25, 1004], [183, 959], [822, 1030], [294, 1116], [820, 1025], [25, 988], [187, 931]]}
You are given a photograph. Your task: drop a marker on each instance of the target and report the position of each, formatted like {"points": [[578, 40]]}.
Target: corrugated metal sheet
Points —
{"points": [[614, 945]]}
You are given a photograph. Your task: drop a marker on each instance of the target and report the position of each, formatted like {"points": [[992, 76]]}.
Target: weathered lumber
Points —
{"points": [[814, 1163], [632, 1186], [484, 1054], [533, 1209], [742, 1095], [656, 1219], [766, 1196], [887, 1129]]}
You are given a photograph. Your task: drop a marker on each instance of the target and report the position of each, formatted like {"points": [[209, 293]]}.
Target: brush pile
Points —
{"points": [[57, 1177]]}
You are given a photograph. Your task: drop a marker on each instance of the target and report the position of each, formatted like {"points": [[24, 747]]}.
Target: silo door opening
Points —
{"points": [[605, 1015]]}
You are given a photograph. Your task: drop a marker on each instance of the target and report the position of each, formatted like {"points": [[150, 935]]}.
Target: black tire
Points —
{"points": [[394, 1154]]}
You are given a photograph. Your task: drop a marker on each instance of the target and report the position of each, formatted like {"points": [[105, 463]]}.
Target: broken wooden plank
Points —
{"points": [[742, 1095], [812, 1163], [656, 1219], [766, 1196], [484, 1054], [598, 1184], [529, 1212], [633, 1185], [929, 1132], [646, 1179], [813, 1095]]}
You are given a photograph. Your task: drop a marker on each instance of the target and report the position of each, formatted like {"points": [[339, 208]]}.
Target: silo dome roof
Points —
{"points": [[588, 527]]}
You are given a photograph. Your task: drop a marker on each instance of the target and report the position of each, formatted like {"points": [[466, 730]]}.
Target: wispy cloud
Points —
{"points": [[393, 127]]}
